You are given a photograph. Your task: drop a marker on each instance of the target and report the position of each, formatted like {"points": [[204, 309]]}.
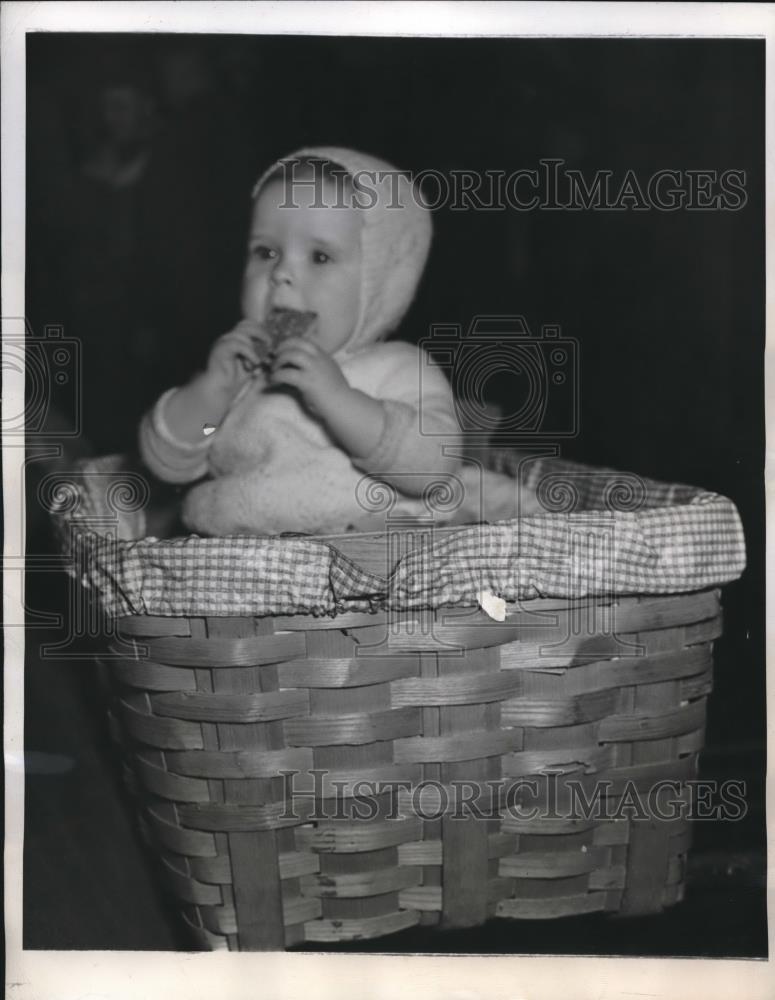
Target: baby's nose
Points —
{"points": [[283, 273]]}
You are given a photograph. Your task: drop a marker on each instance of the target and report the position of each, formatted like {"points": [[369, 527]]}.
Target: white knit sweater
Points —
{"points": [[274, 469]]}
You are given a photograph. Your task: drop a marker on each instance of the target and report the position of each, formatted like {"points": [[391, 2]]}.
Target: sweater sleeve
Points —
{"points": [[168, 458], [421, 437]]}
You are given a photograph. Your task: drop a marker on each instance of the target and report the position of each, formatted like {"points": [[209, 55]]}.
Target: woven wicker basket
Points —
{"points": [[246, 738]]}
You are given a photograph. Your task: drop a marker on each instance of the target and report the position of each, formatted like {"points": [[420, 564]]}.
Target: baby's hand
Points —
{"points": [[305, 366], [237, 356]]}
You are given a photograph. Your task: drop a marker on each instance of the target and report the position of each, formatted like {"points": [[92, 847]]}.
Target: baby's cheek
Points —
{"points": [[254, 292]]}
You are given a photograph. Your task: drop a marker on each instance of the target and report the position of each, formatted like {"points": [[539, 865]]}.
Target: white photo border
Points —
{"points": [[118, 975]]}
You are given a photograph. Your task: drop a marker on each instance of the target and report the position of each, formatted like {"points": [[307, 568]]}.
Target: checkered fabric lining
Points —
{"points": [[676, 539]]}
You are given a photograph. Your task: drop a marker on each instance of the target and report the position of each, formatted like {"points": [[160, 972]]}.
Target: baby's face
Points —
{"points": [[306, 258]]}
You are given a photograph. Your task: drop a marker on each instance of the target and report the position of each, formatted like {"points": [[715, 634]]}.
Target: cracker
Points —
{"points": [[279, 325], [284, 323]]}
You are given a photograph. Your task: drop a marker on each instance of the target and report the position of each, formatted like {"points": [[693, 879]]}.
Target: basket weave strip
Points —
{"points": [[219, 715]]}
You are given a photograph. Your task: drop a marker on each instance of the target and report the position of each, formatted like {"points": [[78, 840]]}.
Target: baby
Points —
{"points": [[301, 400]]}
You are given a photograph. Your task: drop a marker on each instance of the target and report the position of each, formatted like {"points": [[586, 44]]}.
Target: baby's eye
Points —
{"points": [[263, 252], [320, 257]]}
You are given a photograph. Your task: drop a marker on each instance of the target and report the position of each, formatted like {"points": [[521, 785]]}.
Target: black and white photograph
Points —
{"points": [[384, 492]]}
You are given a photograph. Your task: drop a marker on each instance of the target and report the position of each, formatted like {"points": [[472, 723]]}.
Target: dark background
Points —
{"points": [[142, 151]]}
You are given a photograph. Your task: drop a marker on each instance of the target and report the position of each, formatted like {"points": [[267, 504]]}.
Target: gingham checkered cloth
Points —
{"points": [[602, 533]]}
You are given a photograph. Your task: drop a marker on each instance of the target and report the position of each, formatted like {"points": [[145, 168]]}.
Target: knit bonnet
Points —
{"points": [[395, 237]]}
